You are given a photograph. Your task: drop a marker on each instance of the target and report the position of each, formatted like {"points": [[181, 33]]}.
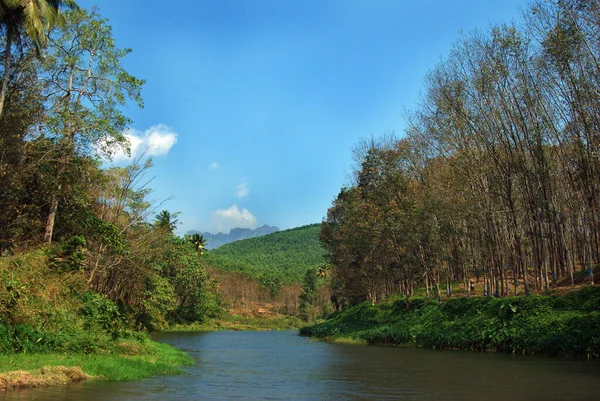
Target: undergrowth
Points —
{"points": [[566, 325]]}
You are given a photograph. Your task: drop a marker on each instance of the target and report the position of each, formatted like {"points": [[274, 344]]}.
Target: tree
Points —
{"points": [[322, 270], [498, 176], [198, 241], [86, 86], [34, 18], [309, 297], [166, 221]]}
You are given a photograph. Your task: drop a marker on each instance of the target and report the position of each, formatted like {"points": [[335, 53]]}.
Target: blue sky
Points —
{"points": [[253, 106]]}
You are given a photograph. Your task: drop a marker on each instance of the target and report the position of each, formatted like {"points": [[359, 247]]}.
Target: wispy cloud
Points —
{"points": [[226, 219], [156, 140], [242, 190], [213, 166]]}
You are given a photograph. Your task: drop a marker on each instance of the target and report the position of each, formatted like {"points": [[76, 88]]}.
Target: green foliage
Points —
{"points": [[197, 300], [100, 312], [188, 296], [560, 326], [67, 255], [166, 221], [20, 338], [158, 302], [309, 297], [107, 274], [274, 260], [197, 241], [107, 232]]}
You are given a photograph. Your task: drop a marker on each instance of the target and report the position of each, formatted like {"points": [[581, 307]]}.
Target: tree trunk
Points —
{"points": [[54, 202], [51, 218], [7, 62]]}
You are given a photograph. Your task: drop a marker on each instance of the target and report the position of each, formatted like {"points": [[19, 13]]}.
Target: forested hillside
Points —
{"points": [[497, 178], [279, 258]]}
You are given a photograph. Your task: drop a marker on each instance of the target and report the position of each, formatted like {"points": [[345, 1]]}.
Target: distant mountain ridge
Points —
{"points": [[235, 234]]}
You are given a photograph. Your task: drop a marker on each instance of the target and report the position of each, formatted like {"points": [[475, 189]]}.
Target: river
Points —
{"points": [[283, 366]]}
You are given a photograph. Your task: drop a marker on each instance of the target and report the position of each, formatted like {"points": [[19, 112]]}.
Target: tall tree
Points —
{"points": [[86, 88]]}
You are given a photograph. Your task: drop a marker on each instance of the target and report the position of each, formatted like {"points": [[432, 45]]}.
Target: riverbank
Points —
{"points": [[125, 360], [228, 321], [128, 360], [567, 325]]}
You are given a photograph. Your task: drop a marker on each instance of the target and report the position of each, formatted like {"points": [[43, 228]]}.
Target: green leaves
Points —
{"points": [[68, 255], [166, 221], [543, 325], [86, 84]]}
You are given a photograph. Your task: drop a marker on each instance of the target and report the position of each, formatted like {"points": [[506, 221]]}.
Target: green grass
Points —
{"points": [[236, 322], [131, 360]]}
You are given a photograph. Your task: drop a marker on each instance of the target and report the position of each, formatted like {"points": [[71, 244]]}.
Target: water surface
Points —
{"points": [[283, 366]]}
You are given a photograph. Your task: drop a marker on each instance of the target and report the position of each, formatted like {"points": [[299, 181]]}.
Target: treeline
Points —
{"points": [[498, 176], [275, 260], [61, 111]]}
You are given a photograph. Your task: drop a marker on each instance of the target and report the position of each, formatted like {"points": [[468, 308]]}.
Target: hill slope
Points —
{"points": [[279, 258]]}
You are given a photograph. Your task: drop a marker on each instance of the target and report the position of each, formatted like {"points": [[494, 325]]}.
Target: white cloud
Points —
{"points": [[242, 190], [156, 141], [226, 219], [213, 166], [160, 139]]}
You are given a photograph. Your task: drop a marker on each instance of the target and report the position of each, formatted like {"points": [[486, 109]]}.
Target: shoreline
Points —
{"points": [[132, 360], [560, 326]]}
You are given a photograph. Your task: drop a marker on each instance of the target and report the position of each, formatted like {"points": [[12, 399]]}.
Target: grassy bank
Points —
{"points": [[236, 322], [566, 325], [55, 329], [128, 360]]}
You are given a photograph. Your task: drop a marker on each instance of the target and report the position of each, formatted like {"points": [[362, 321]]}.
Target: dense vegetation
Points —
{"points": [[81, 267], [276, 259], [497, 177], [560, 326]]}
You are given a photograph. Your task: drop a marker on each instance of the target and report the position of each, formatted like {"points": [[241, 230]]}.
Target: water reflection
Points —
{"points": [[283, 366]]}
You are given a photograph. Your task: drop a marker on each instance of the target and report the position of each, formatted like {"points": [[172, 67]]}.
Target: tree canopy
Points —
{"points": [[497, 177]]}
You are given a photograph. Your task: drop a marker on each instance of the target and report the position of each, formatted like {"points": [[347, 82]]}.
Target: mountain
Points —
{"points": [[235, 234], [282, 257]]}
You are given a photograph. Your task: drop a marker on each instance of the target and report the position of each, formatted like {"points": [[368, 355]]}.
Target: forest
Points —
{"points": [[280, 273], [87, 257], [495, 184], [276, 259]]}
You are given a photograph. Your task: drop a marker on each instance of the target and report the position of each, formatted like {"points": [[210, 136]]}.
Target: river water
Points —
{"points": [[274, 365]]}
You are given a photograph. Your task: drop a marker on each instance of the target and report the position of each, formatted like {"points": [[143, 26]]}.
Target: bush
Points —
{"points": [[560, 326]]}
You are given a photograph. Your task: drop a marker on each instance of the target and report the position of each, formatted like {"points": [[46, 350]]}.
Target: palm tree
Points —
{"points": [[31, 17], [322, 270], [166, 221], [198, 241]]}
